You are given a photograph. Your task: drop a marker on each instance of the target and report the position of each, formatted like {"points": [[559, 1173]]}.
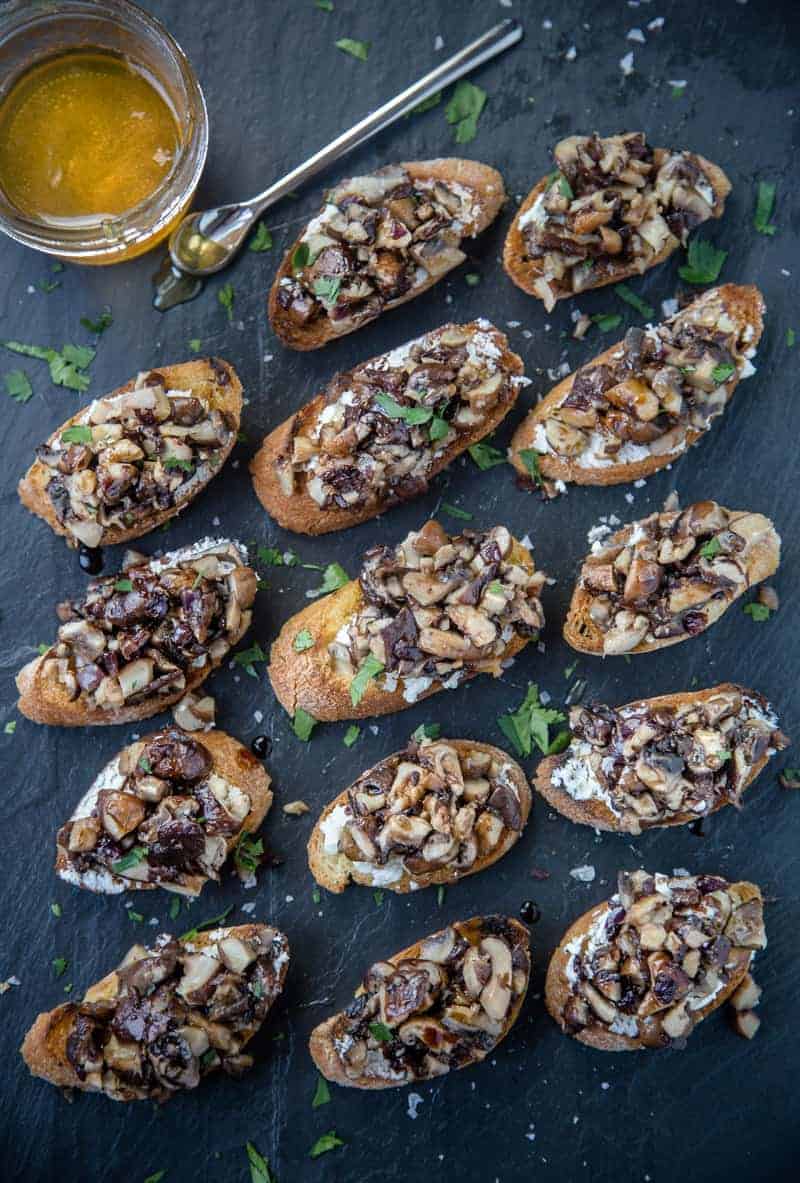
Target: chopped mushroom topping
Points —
{"points": [[377, 430], [157, 815], [612, 203], [659, 952], [426, 809], [447, 1007], [441, 607], [131, 456], [175, 1015], [671, 574], [651, 764], [377, 239], [144, 635], [664, 382]]}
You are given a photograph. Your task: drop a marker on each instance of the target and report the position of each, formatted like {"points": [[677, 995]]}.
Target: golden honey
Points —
{"points": [[84, 136]]}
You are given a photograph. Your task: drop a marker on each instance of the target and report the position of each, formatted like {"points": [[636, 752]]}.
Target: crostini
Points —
{"points": [[130, 461], [445, 1002], [642, 969], [663, 761], [166, 812], [668, 577], [378, 241], [423, 616], [433, 813], [139, 640], [641, 403], [168, 1016], [377, 434], [613, 207]]}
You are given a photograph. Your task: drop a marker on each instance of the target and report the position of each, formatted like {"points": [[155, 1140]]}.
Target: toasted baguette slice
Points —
{"points": [[735, 728], [409, 999], [60, 1044], [731, 911], [442, 767], [694, 603], [213, 382], [45, 695], [528, 273], [467, 356], [742, 306], [234, 798], [479, 193], [314, 681]]}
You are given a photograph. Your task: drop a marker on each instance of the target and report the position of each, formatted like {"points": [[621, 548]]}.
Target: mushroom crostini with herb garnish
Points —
{"points": [[132, 460], [379, 240], [423, 616], [445, 1002], [613, 207]]}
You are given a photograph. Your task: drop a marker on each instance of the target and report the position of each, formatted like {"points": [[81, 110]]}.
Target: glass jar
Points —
{"points": [[33, 30]]}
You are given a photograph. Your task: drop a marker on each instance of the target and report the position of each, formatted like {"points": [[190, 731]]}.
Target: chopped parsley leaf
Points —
{"points": [[131, 859], [438, 428], [302, 641], [356, 49], [123, 585], [472, 279], [156, 1178], [334, 577], [530, 458], [301, 257], [172, 462], [624, 292], [758, 612], [381, 1032], [426, 104], [370, 668], [413, 416], [790, 338], [703, 262], [76, 435], [530, 724], [722, 373], [316, 895], [441, 892], [765, 204], [303, 724], [174, 907], [247, 657], [136, 917], [485, 456], [453, 511], [227, 297], [60, 966], [212, 922], [377, 895], [259, 1167], [351, 735], [710, 549], [464, 110], [560, 742], [248, 853], [261, 240], [327, 1142], [99, 326], [195, 344], [56, 910], [322, 1094], [10, 727], [272, 557], [326, 289], [18, 386], [427, 731], [606, 321]]}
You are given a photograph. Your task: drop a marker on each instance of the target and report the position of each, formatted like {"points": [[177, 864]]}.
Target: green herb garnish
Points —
{"points": [[377, 895], [624, 292], [212, 922], [66, 366], [195, 344], [133, 857], [438, 429], [560, 742], [156, 1178], [370, 669], [413, 416], [123, 585], [334, 577], [301, 257], [76, 435], [324, 5], [136, 917], [485, 456], [381, 1032], [530, 458], [790, 338], [454, 512], [326, 289], [765, 203], [261, 240], [322, 1094], [703, 262], [56, 910], [351, 735], [710, 549], [530, 724], [247, 658], [758, 612], [464, 110], [303, 724], [60, 966], [259, 1167], [356, 49], [606, 321], [10, 727], [722, 373], [227, 297], [427, 731], [472, 279], [174, 907], [441, 892], [427, 104], [248, 853], [302, 641], [327, 1142], [272, 557], [99, 326], [170, 463], [18, 386]]}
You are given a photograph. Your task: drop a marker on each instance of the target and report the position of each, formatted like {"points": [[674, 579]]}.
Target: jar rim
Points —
{"points": [[107, 238]]}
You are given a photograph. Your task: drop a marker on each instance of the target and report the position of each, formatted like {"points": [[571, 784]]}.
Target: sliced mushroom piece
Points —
{"points": [[477, 626], [495, 997], [84, 833], [627, 631], [438, 948], [747, 995], [677, 1022], [605, 1010], [488, 831], [746, 1023], [121, 813], [476, 971], [198, 970]]}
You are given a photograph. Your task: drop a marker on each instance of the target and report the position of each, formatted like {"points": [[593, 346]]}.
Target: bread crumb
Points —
{"points": [[296, 808]]}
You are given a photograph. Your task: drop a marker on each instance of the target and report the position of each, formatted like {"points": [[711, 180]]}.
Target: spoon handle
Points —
{"points": [[501, 37]]}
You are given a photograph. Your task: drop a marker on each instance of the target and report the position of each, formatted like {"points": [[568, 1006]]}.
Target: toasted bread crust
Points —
{"points": [[491, 195], [236, 764], [744, 304], [213, 380], [308, 680], [557, 989], [582, 634], [336, 871], [44, 1048], [301, 513], [326, 1058], [523, 271], [595, 813]]}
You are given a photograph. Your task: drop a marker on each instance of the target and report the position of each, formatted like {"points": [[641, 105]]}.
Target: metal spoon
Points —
{"points": [[207, 241]]}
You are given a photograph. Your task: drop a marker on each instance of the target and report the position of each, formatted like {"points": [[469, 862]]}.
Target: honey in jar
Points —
{"points": [[84, 136]]}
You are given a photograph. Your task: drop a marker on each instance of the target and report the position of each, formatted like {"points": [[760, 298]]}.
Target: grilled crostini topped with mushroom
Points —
{"points": [[668, 577], [644, 401], [166, 812], [445, 1002], [438, 811], [138, 641], [613, 207], [379, 433], [642, 969], [167, 1017], [423, 616], [379, 240], [130, 461], [662, 761]]}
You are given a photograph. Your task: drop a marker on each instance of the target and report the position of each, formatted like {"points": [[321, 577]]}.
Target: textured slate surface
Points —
{"points": [[544, 1107]]}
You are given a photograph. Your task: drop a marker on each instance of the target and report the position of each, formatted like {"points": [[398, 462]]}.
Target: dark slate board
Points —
{"points": [[544, 1106]]}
